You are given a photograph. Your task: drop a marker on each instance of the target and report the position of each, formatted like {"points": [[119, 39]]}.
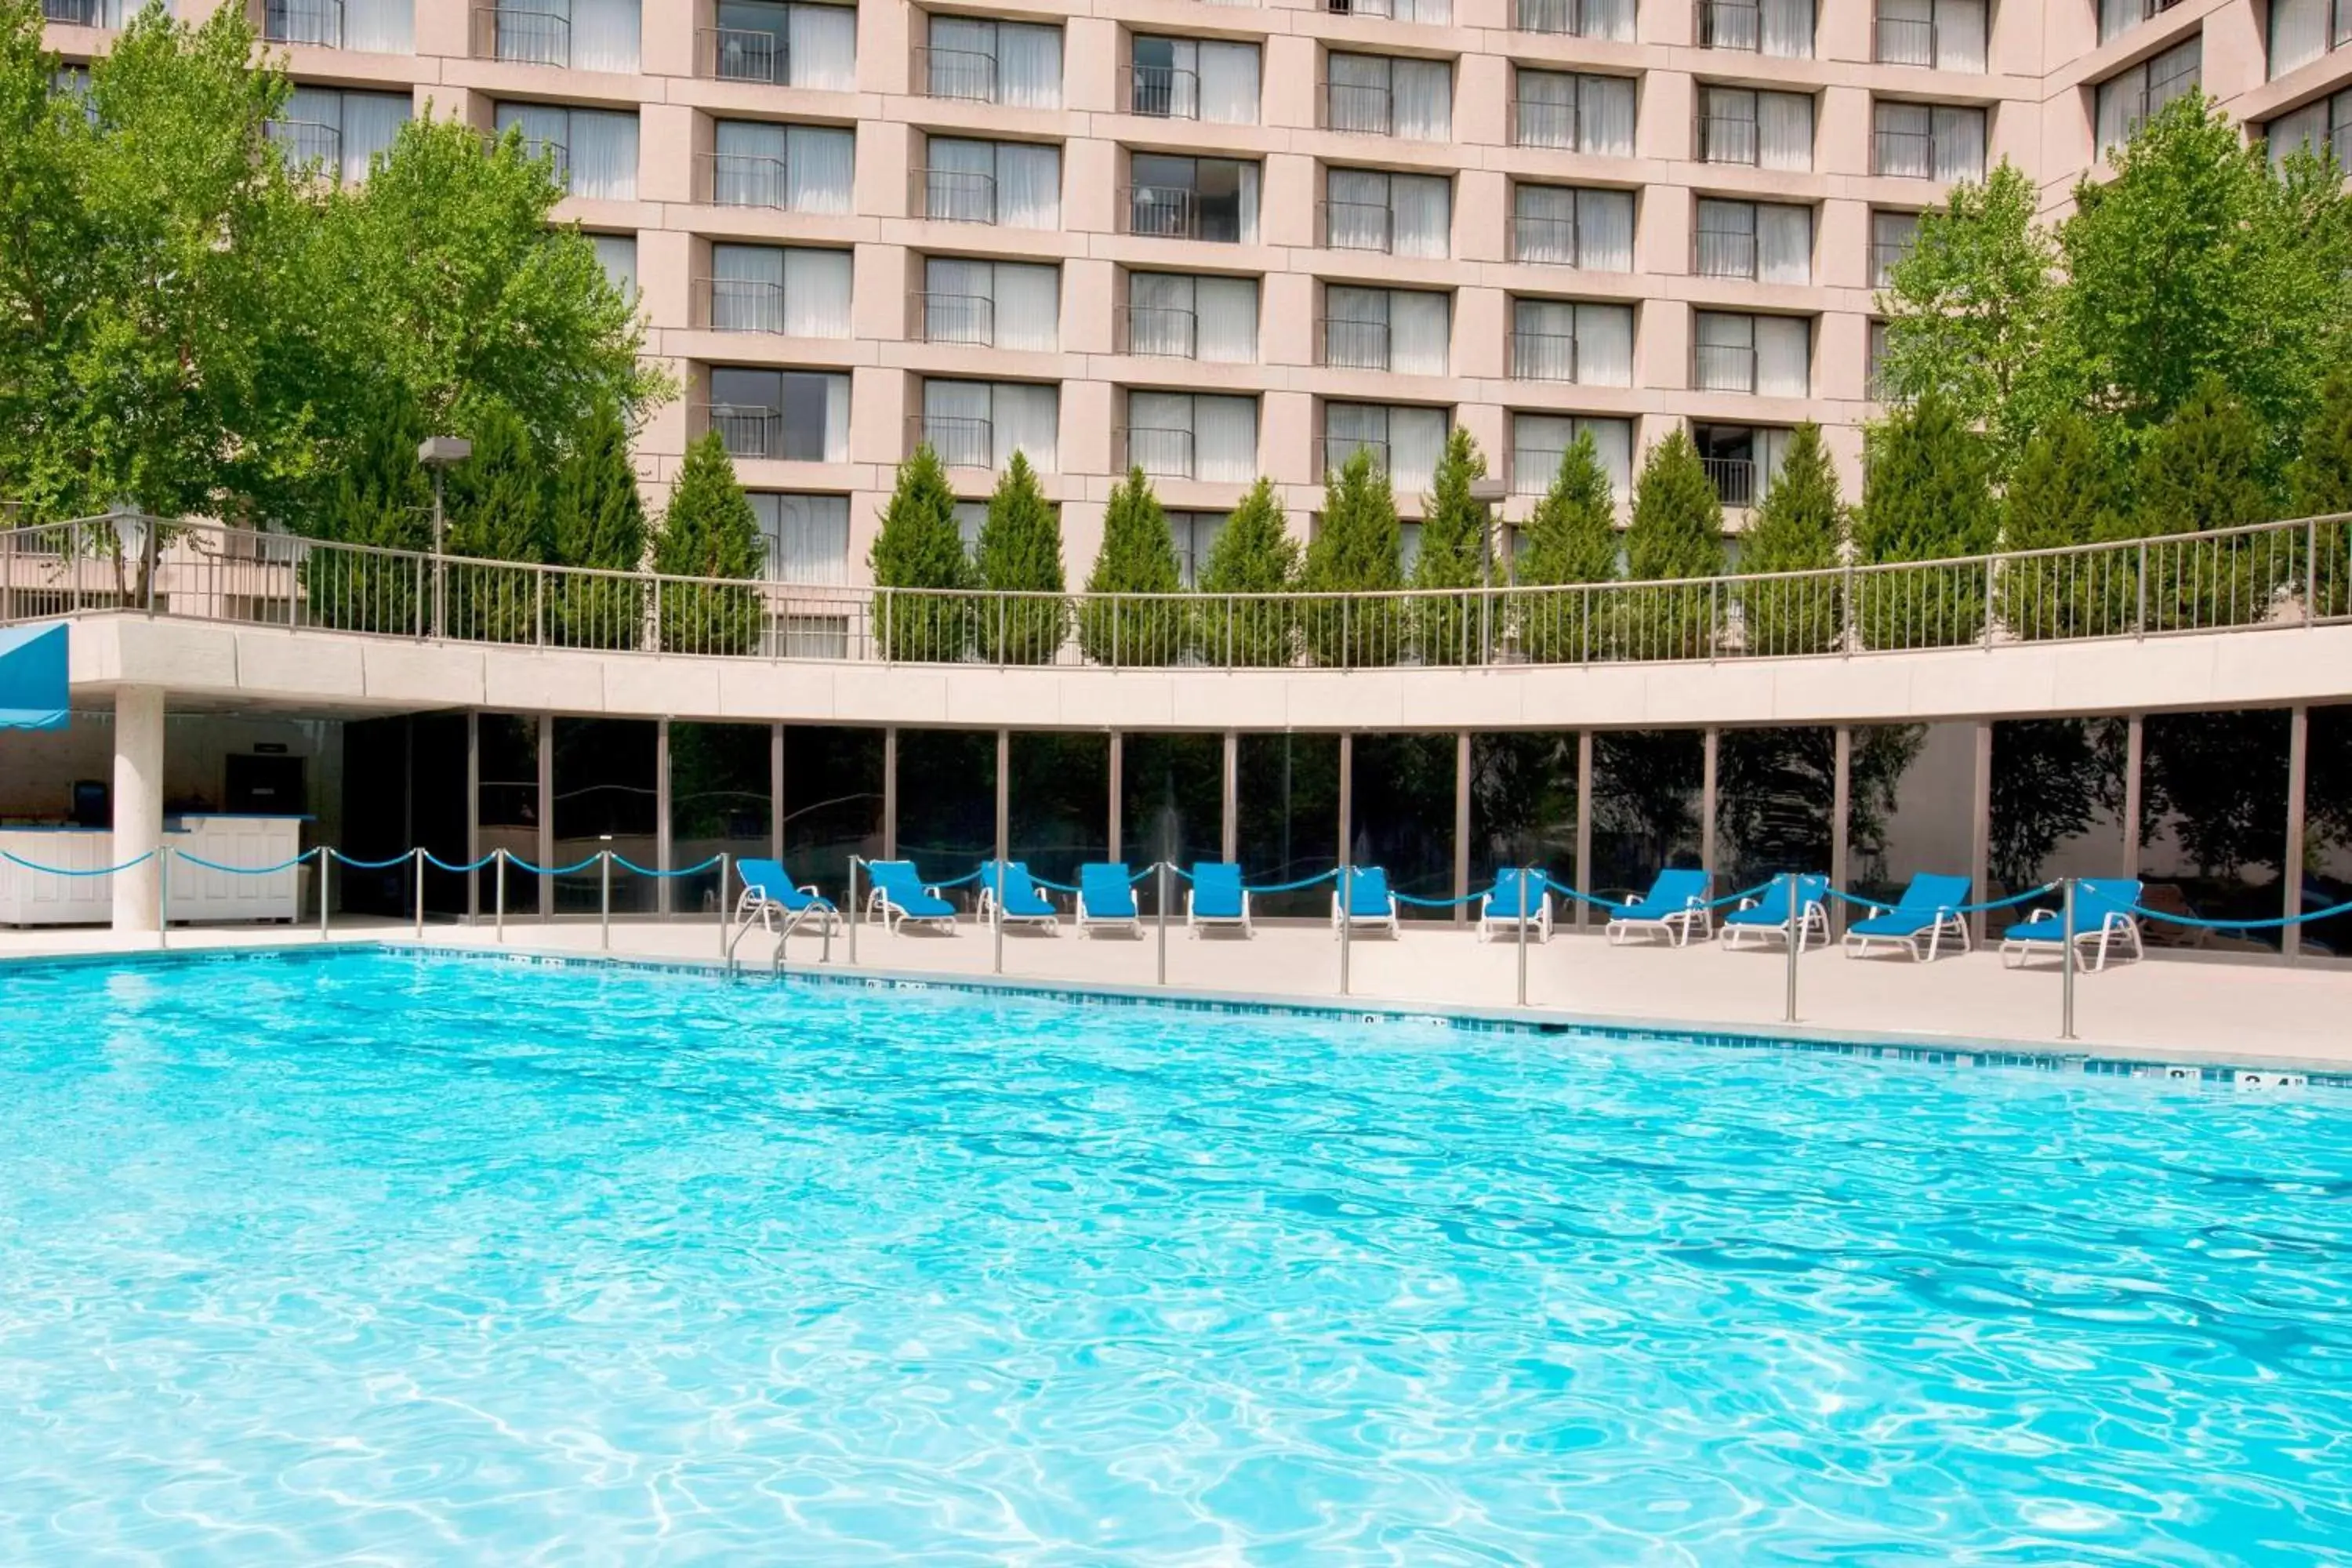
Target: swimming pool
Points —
{"points": [[452, 1260]]}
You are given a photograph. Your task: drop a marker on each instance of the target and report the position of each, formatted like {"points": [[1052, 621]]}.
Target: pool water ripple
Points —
{"points": [[423, 1260]]}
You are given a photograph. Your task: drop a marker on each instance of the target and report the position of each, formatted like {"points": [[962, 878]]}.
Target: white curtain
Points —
{"points": [[810, 535], [1724, 360], [1771, 450], [2301, 129], [820, 167], [1160, 435], [962, 57], [603, 156], [747, 289], [1547, 109], [1960, 35], [2116, 113], [380, 27], [1536, 442], [1611, 19], [1028, 65], [1906, 32], [1789, 28], [1425, 99], [2120, 16], [1028, 306], [1348, 425], [822, 44], [1224, 439], [1959, 143], [1358, 210], [1423, 224], [1028, 185], [1904, 133], [1416, 440], [604, 34], [1359, 98], [1604, 230], [1612, 442], [1784, 243], [544, 126], [1027, 419], [1604, 345], [748, 139], [1605, 115], [963, 188], [1229, 76], [955, 416], [1159, 314], [1784, 129], [1543, 346], [1227, 314], [1783, 356], [2298, 33], [1247, 180], [370, 122], [959, 304], [1420, 326], [816, 294], [618, 253], [1546, 226], [1727, 238]]}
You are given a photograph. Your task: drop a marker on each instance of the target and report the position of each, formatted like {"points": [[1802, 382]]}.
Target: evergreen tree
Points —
{"points": [[1571, 538], [1456, 540], [383, 498], [2201, 470], [1020, 562], [2067, 490], [1356, 551], [597, 519], [1253, 562], [1137, 556], [1927, 495], [919, 546], [709, 531], [2320, 483], [496, 507], [1798, 528], [1677, 531]]}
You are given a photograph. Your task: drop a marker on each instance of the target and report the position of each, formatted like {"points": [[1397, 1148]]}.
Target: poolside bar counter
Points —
{"points": [[31, 898]]}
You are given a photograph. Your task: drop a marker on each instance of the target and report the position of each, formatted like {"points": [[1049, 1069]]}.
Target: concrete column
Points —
{"points": [[2298, 763], [1230, 840], [473, 812], [1462, 825], [1980, 828], [1710, 745], [1005, 794], [775, 793], [665, 849], [1841, 824], [546, 853], [890, 794], [1347, 800], [1583, 821], [1117, 766], [2135, 759], [138, 806]]}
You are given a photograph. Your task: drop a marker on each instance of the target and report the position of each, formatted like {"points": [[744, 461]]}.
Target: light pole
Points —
{"points": [[440, 454], [1490, 493]]}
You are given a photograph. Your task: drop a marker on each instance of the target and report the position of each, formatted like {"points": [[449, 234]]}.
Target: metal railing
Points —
{"points": [[1161, 331], [1161, 212], [944, 318], [1904, 154], [742, 180], [2263, 577], [739, 305], [1544, 122], [557, 154], [961, 441], [71, 13], [1726, 139], [1723, 252], [1884, 255], [1348, 343], [523, 34], [1723, 367], [1357, 109], [965, 74], [1334, 451], [744, 54], [1356, 225], [306, 143], [1533, 468], [951, 195], [1543, 356], [1565, 18], [318, 23], [1729, 24], [746, 429], [1903, 41], [1734, 479], [1163, 92], [1549, 241], [1162, 451]]}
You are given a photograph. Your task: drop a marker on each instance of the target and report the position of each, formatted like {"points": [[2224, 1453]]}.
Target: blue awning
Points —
{"points": [[33, 676]]}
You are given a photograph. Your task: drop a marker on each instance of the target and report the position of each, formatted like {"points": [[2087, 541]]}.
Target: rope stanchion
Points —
{"points": [[2275, 922], [164, 898], [323, 864]]}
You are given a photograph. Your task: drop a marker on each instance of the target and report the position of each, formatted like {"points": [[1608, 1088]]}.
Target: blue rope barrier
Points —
{"points": [[1566, 891], [2024, 898], [436, 860], [371, 865], [519, 864], [626, 864], [1435, 903], [1294, 886], [957, 882], [240, 871], [1053, 887], [61, 871], [2274, 923]]}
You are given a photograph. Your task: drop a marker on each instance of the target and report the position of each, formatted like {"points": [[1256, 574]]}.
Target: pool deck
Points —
{"points": [[2165, 1007]]}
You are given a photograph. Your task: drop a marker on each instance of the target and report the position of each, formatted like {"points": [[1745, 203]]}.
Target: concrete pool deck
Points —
{"points": [[2168, 1006]]}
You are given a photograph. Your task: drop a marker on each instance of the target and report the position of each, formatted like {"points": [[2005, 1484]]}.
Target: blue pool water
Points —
{"points": [[423, 1261]]}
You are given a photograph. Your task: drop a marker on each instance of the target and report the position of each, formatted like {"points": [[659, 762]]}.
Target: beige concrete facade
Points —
{"points": [[2038, 91]]}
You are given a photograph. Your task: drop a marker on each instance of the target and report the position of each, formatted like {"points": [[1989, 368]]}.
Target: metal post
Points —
{"points": [[724, 862], [2298, 755], [1526, 876], [2135, 755], [1584, 819], [997, 916], [325, 859], [2066, 941], [604, 900], [1841, 823], [852, 915], [1980, 827], [1461, 826], [163, 895], [1347, 833], [439, 581], [1162, 869], [499, 871], [417, 854], [2139, 615], [1796, 940], [1344, 902]]}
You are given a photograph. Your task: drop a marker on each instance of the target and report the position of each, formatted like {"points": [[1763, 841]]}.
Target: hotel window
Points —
{"points": [[595, 152], [787, 168], [1428, 13], [971, 516], [1018, 64], [980, 424], [782, 45], [1178, 315], [807, 536], [993, 304], [1402, 330], [340, 132], [1376, 95], [1192, 435], [1578, 341], [793, 416], [1195, 533], [617, 254], [1609, 19], [1193, 79], [94, 13], [1767, 129], [1405, 443], [786, 290], [580, 35], [1766, 242], [1941, 35], [1574, 112], [1782, 27], [1404, 214], [1214, 199], [2117, 17], [2316, 128], [1892, 236], [375, 27], [1011, 185], [1873, 364], [2302, 30], [1538, 441], [1741, 461], [1563, 225], [2129, 99], [1927, 141], [1770, 356]]}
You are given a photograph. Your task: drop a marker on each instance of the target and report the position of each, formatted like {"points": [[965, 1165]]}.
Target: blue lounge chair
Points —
{"points": [[2102, 916], [899, 896], [1675, 907], [1768, 917], [1217, 897], [768, 893], [1520, 896], [1107, 899], [1919, 922], [1370, 906], [1024, 902]]}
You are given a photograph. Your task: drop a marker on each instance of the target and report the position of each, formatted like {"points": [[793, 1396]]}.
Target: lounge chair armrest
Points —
{"points": [[2036, 916], [1750, 903]]}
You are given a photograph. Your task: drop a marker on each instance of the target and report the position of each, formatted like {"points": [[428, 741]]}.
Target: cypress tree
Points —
{"points": [[1021, 553], [709, 531], [1798, 528], [2320, 482], [1356, 549], [1569, 538], [1927, 495], [382, 497], [1255, 557], [1137, 556], [596, 518], [1677, 531], [2202, 470], [496, 504], [2067, 489], [1454, 544], [919, 546]]}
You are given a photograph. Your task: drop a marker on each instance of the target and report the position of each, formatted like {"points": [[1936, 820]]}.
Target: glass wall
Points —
{"points": [[1523, 805], [1402, 807], [1290, 827], [2057, 801], [1907, 809], [1775, 791], [947, 802], [1172, 805], [1646, 806], [508, 810], [1059, 808], [833, 803], [2327, 829], [720, 790], [606, 789], [2214, 794]]}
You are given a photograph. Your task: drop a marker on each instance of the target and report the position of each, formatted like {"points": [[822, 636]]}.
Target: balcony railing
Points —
{"points": [[1564, 18], [965, 74], [1159, 331], [951, 195], [1729, 24], [961, 442], [1549, 241], [1350, 342], [750, 430], [1356, 108], [1534, 468], [1734, 479], [741, 54], [1163, 92], [742, 180], [1163, 212], [946, 317], [1903, 41], [1334, 451], [307, 143], [1724, 253], [2264, 577], [1724, 367], [1726, 139], [1162, 452], [71, 13], [1884, 255], [318, 23], [556, 154], [740, 305], [1543, 123], [1904, 154], [523, 34], [1543, 356], [1357, 226]]}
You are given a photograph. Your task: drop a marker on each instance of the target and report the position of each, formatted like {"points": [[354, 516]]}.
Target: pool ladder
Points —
{"points": [[792, 923]]}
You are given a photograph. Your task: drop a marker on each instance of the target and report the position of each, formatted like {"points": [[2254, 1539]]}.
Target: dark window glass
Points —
{"points": [[1219, 184], [1173, 799], [719, 798], [833, 802], [510, 805], [1523, 805], [1646, 806], [1403, 804], [1774, 789], [606, 790], [1289, 829], [1059, 807], [947, 802]]}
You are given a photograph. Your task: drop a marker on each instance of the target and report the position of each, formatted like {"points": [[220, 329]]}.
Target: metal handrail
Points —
{"points": [[942, 317], [1544, 122], [316, 23], [1356, 109], [1554, 236], [739, 305], [964, 75], [1723, 252], [742, 180], [1726, 138], [523, 34], [307, 141], [746, 429], [1161, 331], [1734, 479], [1903, 41], [1161, 211], [1163, 92], [1348, 343], [1543, 356], [951, 196], [1369, 224], [1723, 367], [1162, 451], [744, 54], [961, 441]]}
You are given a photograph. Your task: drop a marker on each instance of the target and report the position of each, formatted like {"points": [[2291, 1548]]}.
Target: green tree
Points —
{"points": [[2201, 470], [1799, 527], [2050, 777], [1677, 531], [381, 499], [2320, 484], [1569, 540], [1137, 556], [1927, 495], [596, 519], [1245, 619], [1355, 553], [497, 512], [1456, 545], [2067, 489], [1027, 619], [919, 547], [709, 531], [1969, 311]]}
